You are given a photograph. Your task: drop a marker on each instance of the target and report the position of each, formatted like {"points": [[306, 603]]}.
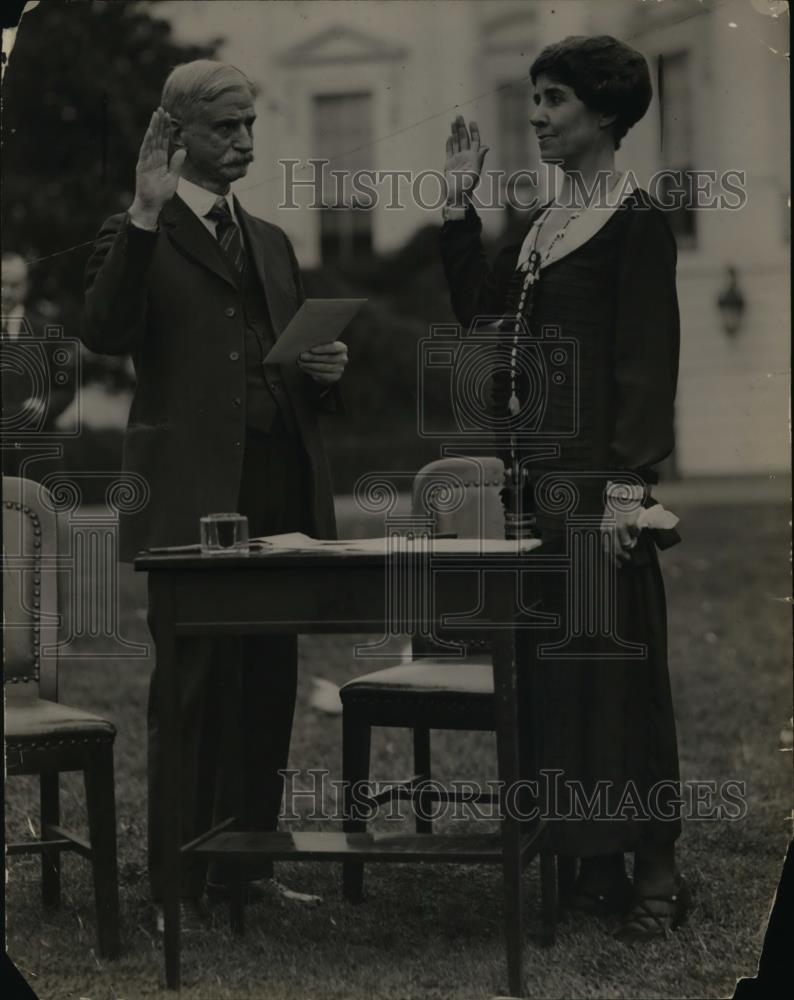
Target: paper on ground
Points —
{"points": [[324, 696]]}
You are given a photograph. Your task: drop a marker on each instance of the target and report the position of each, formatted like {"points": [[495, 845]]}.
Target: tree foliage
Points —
{"points": [[81, 83]]}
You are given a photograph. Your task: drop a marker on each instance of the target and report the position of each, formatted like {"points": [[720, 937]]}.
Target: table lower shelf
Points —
{"points": [[395, 847]]}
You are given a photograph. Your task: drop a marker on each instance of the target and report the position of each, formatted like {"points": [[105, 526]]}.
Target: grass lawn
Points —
{"points": [[436, 931]]}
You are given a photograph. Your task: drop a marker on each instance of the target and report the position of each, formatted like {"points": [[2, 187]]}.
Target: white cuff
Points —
{"points": [[453, 213], [656, 517], [139, 225]]}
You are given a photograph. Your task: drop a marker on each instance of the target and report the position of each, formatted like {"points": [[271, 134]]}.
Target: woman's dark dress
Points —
{"points": [[605, 719]]}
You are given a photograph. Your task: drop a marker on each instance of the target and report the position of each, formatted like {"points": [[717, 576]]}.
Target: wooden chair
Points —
{"points": [[44, 737], [430, 693]]}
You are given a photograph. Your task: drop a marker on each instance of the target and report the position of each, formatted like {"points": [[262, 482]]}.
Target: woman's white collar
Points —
{"points": [[580, 229]]}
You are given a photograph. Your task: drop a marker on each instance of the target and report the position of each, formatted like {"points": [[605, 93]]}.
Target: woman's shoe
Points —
{"points": [[615, 900], [654, 917]]}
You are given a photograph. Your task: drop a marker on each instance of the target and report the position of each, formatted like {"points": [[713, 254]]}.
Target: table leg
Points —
{"points": [[509, 757], [237, 889], [548, 895], [161, 605], [566, 879], [356, 738]]}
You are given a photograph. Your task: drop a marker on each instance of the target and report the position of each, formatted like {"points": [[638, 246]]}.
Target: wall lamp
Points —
{"points": [[731, 304]]}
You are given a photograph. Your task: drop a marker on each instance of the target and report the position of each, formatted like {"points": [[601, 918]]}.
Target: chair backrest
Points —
{"points": [[461, 495], [33, 536]]}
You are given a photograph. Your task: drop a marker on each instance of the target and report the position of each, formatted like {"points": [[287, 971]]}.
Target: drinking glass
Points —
{"points": [[224, 534]]}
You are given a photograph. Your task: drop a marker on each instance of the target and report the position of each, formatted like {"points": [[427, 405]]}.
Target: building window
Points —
{"points": [[517, 146], [515, 132], [343, 135], [677, 144], [345, 234]]}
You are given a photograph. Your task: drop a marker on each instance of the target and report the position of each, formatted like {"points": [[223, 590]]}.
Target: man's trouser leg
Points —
{"points": [[237, 697], [274, 496], [199, 750]]}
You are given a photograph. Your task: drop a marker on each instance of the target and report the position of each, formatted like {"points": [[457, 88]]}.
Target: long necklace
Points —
{"points": [[531, 272], [519, 522]]}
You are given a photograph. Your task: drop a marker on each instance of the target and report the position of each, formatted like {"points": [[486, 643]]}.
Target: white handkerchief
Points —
{"points": [[656, 517]]}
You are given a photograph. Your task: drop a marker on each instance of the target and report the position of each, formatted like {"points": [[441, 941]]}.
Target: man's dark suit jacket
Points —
{"points": [[168, 299]]}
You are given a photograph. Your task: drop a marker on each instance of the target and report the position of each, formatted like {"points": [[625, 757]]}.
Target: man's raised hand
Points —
{"points": [[465, 156], [156, 176]]}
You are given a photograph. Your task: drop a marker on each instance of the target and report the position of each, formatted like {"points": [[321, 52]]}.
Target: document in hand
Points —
{"points": [[318, 321]]}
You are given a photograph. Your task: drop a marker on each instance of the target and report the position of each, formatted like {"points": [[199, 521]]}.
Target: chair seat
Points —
{"points": [[471, 679], [48, 723]]}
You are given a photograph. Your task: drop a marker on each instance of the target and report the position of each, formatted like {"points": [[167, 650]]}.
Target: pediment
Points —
{"points": [[341, 44]]}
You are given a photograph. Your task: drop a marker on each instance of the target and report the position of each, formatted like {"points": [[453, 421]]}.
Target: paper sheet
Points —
{"points": [[296, 541], [318, 321]]}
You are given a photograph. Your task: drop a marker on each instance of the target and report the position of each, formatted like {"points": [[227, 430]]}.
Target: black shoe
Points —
{"points": [[219, 892], [193, 916], [654, 917], [614, 900]]}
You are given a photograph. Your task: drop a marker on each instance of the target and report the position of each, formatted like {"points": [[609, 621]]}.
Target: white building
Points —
{"points": [[380, 83]]}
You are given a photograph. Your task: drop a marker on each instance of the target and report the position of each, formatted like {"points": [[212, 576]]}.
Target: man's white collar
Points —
{"points": [[199, 199]]}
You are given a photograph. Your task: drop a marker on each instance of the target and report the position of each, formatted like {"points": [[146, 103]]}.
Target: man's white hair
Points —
{"points": [[200, 82]]}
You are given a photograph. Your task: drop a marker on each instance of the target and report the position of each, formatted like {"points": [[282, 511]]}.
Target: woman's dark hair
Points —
{"points": [[607, 75]]}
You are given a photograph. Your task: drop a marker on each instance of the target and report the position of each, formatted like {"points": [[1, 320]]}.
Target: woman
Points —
{"points": [[596, 273]]}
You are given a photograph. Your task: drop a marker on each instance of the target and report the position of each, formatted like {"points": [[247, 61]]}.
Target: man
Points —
{"points": [[37, 379], [197, 289]]}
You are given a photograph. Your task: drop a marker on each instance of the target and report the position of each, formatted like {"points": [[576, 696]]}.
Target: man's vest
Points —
{"points": [[265, 394]]}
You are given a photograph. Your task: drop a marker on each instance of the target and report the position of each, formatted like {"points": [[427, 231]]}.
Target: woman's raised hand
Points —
{"points": [[465, 156]]}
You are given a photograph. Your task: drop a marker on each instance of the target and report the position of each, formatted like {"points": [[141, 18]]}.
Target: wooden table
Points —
{"points": [[336, 591]]}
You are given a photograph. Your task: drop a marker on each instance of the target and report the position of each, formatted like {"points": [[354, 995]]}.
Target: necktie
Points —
{"points": [[228, 235]]}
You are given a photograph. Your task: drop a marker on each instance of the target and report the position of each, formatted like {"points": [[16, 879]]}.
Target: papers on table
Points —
{"points": [[293, 540], [318, 321], [298, 542]]}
